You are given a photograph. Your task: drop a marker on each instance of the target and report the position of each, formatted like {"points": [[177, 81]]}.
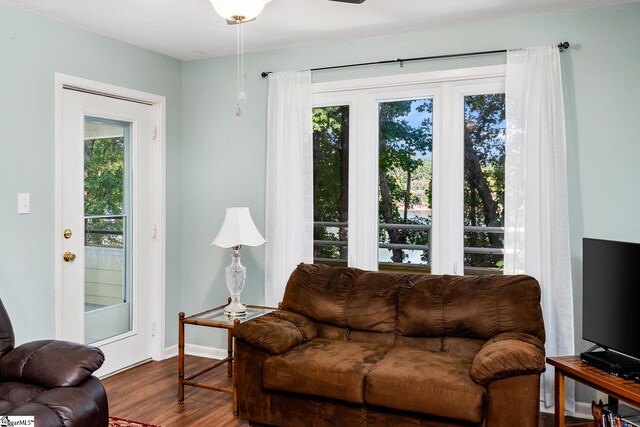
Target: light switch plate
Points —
{"points": [[24, 205]]}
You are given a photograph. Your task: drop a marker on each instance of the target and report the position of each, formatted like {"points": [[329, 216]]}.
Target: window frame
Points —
{"points": [[363, 96]]}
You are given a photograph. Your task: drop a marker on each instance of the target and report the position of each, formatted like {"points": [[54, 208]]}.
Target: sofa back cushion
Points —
{"points": [[320, 292], [345, 297], [345, 300], [373, 301], [469, 306]]}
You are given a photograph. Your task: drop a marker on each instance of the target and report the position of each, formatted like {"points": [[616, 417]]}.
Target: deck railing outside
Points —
{"points": [[405, 246], [96, 226], [90, 220], [105, 263]]}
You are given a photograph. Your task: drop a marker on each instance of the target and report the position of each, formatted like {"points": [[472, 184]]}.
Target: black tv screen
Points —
{"points": [[611, 280]]}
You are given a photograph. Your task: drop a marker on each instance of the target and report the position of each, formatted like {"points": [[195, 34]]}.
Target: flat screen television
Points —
{"points": [[611, 281]]}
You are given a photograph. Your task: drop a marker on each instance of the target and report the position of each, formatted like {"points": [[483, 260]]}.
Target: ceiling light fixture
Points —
{"points": [[239, 12]]}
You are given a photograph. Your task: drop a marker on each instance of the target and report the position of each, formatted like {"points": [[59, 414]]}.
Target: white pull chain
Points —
{"points": [[240, 65]]}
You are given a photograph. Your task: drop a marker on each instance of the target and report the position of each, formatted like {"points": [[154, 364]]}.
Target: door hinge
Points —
{"points": [[154, 134], [154, 234], [153, 329]]}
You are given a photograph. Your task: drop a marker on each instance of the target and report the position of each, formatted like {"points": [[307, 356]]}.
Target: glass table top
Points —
{"points": [[216, 316]]}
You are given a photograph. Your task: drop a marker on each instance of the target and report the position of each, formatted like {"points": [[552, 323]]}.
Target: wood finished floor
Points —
{"points": [[149, 393]]}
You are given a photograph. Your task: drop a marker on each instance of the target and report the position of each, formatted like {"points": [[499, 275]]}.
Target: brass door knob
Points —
{"points": [[69, 257]]}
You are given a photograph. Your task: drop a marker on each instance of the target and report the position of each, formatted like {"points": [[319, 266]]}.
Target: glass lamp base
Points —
{"points": [[236, 274], [235, 309]]}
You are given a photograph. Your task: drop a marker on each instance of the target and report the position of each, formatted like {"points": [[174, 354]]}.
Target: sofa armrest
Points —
{"points": [[51, 363], [276, 332], [506, 355]]}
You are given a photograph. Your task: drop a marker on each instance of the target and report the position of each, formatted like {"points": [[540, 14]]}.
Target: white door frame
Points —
{"points": [[157, 257]]}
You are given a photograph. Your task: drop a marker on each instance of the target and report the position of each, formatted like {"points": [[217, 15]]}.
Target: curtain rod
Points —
{"points": [[562, 46]]}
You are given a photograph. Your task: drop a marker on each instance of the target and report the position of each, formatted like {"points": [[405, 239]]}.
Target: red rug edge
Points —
{"points": [[132, 421]]}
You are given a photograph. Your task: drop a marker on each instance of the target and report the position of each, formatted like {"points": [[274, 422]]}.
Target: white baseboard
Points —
{"points": [[203, 351], [583, 410], [196, 350], [171, 351]]}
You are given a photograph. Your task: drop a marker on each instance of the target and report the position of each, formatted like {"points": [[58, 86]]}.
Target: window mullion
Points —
{"points": [[456, 183], [363, 202], [446, 186]]}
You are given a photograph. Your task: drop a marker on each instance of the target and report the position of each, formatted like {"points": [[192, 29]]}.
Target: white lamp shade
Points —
{"points": [[247, 9], [238, 229]]}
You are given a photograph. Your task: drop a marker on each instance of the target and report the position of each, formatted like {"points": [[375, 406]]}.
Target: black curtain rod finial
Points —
{"points": [[563, 46]]}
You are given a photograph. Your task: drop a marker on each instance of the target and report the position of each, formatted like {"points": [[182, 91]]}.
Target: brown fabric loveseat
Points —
{"points": [[355, 348]]}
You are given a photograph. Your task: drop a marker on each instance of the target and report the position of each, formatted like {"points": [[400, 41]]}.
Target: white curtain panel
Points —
{"points": [[536, 206], [289, 193]]}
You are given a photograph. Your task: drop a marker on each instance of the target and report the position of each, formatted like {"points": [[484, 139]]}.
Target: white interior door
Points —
{"points": [[107, 213]]}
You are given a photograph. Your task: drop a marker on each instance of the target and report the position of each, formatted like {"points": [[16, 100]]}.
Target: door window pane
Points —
{"points": [[484, 141], [106, 210], [331, 184], [405, 182]]}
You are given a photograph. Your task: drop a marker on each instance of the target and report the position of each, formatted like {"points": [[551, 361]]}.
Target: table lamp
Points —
{"points": [[237, 229]]}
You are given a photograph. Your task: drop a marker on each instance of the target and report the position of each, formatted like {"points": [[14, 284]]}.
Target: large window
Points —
{"points": [[331, 183], [484, 140], [410, 175], [404, 177]]}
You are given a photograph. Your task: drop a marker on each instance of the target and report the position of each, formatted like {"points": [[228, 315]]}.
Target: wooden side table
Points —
{"points": [[213, 318], [574, 368]]}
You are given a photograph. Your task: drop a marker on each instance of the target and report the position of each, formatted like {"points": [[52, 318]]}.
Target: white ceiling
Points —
{"points": [[190, 29]]}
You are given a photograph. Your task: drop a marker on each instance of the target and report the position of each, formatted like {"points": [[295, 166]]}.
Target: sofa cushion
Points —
{"points": [[276, 332], [54, 407], [333, 332], [51, 363], [6, 406], [19, 393], [470, 306], [320, 292], [345, 297], [507, 355], [427, 382], [372, 302], [68, 403], [324, 367]]}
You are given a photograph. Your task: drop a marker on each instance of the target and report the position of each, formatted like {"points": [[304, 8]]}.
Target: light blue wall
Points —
{"points": [[216, 160], [32, 49], [222, 166], [224, 156]]}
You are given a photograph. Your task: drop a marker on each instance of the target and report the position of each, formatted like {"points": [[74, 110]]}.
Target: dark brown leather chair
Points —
{"points": [[51, 380]]}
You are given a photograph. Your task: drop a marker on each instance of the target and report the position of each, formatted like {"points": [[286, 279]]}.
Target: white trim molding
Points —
{"points": [[158, 256], [460, 74], [583, 410], [197, 350]]}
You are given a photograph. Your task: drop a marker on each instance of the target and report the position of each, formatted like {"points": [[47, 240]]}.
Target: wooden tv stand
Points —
{"points": [[574, 368]]}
